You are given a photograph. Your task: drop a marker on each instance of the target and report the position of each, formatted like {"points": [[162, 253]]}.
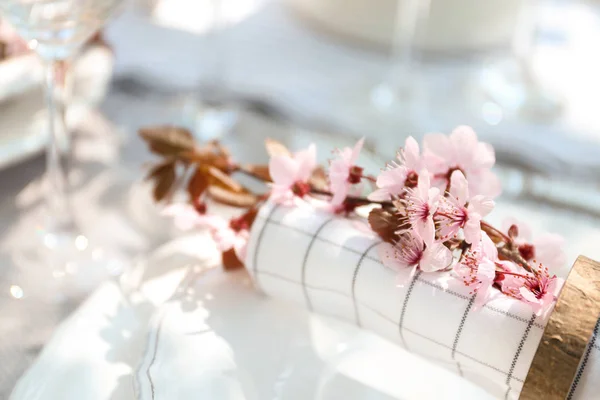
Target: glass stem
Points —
{"points": [[57, 153], [410, 16], [216, 70]]}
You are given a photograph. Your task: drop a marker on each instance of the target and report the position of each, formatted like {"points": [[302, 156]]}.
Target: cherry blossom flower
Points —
{"points": [[420, 205], [458, 211], [547, 249], [462, 151], [187, 217], [233, 234], [291, 174], [343, 173], [392, 181], [539, 291], [411, 252], [477, 268]]}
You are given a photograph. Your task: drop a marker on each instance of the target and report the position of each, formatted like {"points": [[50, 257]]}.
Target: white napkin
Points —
{"points": [[208, 334], [330, 265]]}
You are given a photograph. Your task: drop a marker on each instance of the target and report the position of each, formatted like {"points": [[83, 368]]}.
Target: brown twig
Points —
{"points": [[313, 190], [495, 233]]}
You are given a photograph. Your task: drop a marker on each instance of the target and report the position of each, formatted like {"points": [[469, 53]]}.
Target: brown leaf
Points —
{"points": [[385, 224], [163, 176], [318, 178], [198, 183], [231, 261], [234, 199], [250, 216], [220, 149], [275, 148], [220, 179], [168, 140], [261, 171], [205, 156]]}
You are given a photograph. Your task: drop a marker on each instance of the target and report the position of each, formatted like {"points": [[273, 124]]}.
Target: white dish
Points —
{"points": [[23, 124]]}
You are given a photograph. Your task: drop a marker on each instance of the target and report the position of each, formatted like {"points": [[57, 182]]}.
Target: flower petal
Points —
{"points": [[402, 279], [307, 161], [423, 185], [481, 205], [410, 154], [437, 143], [484, 156], [472, 229], [356, 151], [464, 143], [488, 248], [387, 255], [380, 195], [435, 257], [459, 188], [283, 170], [425, 230]]}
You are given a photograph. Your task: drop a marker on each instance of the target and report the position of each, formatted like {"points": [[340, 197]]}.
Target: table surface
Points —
{"points": [[109, 160]]}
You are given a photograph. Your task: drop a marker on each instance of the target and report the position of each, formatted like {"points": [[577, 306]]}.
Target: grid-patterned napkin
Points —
{"points": [[330, 265]]}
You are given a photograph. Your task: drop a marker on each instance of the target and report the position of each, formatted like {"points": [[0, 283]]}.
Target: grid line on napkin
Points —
{"points": [[461, 326], [305, 261], [392, 321], [331, 262], [355, 276], [269, 220], [405, 307]]}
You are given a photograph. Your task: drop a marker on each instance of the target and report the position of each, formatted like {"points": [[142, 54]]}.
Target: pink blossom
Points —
{"points": [[539, 291], [291, 174], [343, 173], [233, 234], [392, 181], [420, 205], [410, 251], [458, 211], [477, 268], [547, 249], [462, 151], [187, 217]]}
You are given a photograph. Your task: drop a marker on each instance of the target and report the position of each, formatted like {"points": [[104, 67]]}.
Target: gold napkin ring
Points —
{"points": [[568, 331]]}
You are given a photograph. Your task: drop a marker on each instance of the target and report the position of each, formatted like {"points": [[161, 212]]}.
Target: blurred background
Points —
{"points": [[523, 73]]}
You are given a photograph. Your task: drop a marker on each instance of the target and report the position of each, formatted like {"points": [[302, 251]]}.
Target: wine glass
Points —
{"points": [[56, 30], [209, 112]]}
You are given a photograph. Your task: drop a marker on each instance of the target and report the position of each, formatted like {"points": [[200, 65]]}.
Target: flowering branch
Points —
{"points": [[430, 206]]}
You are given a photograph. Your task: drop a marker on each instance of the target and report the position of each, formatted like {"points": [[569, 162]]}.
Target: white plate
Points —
{"points": [[23, 120]]}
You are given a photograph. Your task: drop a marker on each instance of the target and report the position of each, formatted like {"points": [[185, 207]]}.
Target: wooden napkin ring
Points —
{"points": [[567, 334]]}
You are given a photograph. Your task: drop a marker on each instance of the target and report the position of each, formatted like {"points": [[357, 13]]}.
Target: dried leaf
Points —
{"points": [[385, 224], [163, 176], [168, 140], [220, 149], [275, 148], [207, 157], [261, 171], [318, 179], [198, 183], [231, 261], [220, 179], [234, 199], [250, 216]]}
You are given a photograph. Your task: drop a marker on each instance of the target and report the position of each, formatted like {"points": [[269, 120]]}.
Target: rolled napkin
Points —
{"points": [[331, 266]]}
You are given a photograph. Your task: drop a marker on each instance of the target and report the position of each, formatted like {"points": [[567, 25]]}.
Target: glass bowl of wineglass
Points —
{"points": [[58, 257]]}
